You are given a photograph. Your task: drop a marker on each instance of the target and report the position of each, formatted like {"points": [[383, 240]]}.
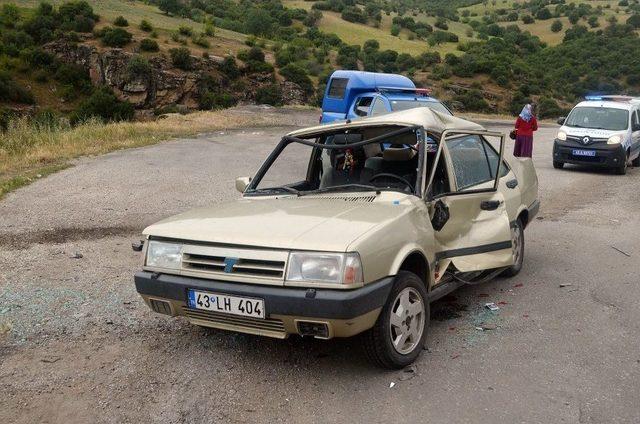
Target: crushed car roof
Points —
{"points": [[429, 119]]}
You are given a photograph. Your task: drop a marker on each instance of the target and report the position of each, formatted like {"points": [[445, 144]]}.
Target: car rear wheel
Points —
{"points": [[397, 338], [558, 165], [517, 246]]}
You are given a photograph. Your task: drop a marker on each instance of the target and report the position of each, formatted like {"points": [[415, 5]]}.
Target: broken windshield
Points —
{"points": [[359, 159]]}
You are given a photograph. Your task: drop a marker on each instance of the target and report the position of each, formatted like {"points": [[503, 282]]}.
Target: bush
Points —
{"points": [[12, 91], [115, 37], [229, 67], [76, 16], [395, 30], [121, 21], [105, 105], [634, 21], [472, 100], [441, 23], [181, 58], [556, 26], [298, 75], [149, 45], [528, 19], [543, 14], [201, 40], [269, 94], [254, 54], [212, 100], [548, 108], [9, 15], [593, 22], [138, 67], [146, 26], [185, 30]]}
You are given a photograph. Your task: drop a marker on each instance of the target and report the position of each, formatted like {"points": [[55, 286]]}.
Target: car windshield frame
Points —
{"points": [[568, 122], [421, 136], [419, 103]]}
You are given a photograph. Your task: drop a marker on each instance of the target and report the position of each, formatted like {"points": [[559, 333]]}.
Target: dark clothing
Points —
{"points": [[524, 137], [524, 146]]}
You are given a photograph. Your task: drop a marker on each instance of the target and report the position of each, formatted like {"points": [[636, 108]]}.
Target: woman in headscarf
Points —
{"points": [[526, 124]]}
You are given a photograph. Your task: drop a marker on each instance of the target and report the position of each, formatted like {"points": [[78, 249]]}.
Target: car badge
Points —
{"points": [[229, 264], [586, 140]]}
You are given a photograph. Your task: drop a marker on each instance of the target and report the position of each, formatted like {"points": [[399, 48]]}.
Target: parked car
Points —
{"points": [[601, 131], [357, 94], [349, 228]]}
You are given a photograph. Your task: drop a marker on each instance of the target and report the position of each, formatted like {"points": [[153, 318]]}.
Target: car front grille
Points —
{"points": [[234, 263], [265, 327], [579, 140]]}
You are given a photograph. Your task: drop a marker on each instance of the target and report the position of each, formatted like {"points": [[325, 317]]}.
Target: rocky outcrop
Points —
{"points": [[164, 85]]}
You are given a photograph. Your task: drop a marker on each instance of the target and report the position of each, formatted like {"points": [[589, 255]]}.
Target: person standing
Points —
{"points": [[526, 124]]}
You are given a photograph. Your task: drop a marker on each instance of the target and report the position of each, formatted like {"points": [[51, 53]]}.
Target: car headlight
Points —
{"points": [[319, 267], [562, 136], [164, 255], [615, 139]]}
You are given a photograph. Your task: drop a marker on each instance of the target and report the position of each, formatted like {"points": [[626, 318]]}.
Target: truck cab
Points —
{"points": [[357, 94]]}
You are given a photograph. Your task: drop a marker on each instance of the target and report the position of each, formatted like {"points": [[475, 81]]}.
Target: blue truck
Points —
{"points": [[358, 94]]}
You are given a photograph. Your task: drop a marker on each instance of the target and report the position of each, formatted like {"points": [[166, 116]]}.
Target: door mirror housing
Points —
{"points": [[561, 120], [242, 183], [362, 110], [440, 215]]}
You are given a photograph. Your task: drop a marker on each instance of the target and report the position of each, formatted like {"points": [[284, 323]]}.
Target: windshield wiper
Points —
{"points": [[279, 189], [345, 187]]}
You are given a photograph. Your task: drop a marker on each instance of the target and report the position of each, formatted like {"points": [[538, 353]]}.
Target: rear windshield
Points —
{"points": [[602, 118], [410, 104], [337, 87]]}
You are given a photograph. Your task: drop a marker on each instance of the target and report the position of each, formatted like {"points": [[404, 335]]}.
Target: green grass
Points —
{"points": [[14, 183]]}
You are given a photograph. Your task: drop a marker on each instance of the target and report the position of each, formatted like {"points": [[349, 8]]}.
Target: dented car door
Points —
{"points": [[476, 233]]}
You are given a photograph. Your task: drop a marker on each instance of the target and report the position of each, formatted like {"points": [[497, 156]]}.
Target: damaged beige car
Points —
{"points": [[346, 229]]}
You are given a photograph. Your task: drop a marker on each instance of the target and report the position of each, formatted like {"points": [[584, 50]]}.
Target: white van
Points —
{"points": [[602, 131]]}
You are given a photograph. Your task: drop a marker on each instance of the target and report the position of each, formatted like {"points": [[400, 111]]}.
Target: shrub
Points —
{"points": [[73, 76], [441, 23], [634, 21], [269, 94], [209, 30], [9, 15], [121, 21], [528, 19], [77, 16], [593, 21], [146, 26], [212, 100], [395, 30], [181, 58], [12, 91], [556, 26], [472, 100], [201, 40], [297, 74], [229, 67], [185, 30], [115, 37], [149, 45], [105, 105], [543, 14], [548, 108], [138, 67]]}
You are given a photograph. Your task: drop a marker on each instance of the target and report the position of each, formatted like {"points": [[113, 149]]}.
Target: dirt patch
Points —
{"points": [[20, 241]]}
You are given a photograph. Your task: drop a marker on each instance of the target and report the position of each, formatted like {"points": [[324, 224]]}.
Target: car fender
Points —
{"points": [[527, 179]]}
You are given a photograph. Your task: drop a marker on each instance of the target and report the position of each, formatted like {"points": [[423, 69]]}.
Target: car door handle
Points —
{"points": [[490, 205], [512, 183]]}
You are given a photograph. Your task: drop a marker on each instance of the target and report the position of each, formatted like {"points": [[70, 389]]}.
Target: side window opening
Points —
{"points": [[337, 87], [378, 107], [471, 161], [362, 106]]}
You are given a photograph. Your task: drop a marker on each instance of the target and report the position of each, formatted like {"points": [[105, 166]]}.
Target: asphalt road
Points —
{"points": [[80, 346]]}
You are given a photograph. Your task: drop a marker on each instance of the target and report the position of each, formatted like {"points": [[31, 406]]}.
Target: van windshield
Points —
{"points": [[601, 118], [397, 105]]}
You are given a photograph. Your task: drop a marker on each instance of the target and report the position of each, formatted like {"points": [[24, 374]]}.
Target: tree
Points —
{"points": [[528, 19], [181, 58], [543, 14], [634, 21], [395, 30], [556, 26], [170, 7], [593, 21], [115, 37], [259, 22]]}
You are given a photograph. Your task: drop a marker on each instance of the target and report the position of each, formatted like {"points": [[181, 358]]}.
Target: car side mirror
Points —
{"points": [[635, 127], [561, 120], [242, 183], [440, 215], [362, 110]]}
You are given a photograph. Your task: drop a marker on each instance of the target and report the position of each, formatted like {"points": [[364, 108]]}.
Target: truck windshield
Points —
{"points": [[602, 118], [410, 104], [344, 162]]}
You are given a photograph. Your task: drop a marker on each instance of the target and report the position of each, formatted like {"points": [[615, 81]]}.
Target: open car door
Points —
{"points": [[468, 213]]}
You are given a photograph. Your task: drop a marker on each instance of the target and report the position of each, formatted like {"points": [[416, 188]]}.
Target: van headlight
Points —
{"points": [[615, 139], [161, 254], [562, 136], [320, 267]]}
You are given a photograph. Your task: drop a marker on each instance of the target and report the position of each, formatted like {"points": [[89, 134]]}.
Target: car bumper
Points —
{"points": [[606, 155], [340, 313]]}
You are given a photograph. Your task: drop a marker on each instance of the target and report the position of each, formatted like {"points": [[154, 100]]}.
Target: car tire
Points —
{"points": [[558, 165], [622, 169], [517, 241], [397, 338], [636, 161]]}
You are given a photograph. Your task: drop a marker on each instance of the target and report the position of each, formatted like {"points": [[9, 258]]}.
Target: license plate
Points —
{"points": [[576, 152], [234, 305]]}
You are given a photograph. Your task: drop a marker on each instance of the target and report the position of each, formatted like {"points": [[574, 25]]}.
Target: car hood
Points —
{"points": [[305, 223]]}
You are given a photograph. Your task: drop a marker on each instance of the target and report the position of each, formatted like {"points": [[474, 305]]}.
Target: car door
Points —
{"points": [[635, 133], [476, 233]]}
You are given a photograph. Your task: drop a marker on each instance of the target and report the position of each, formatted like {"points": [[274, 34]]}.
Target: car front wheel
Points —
{"points": [[398, 336], [558, 164], [517, 246]]}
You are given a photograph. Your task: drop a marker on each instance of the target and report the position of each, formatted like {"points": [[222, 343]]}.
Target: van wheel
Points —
{"points": [[622, 169], [517, 245], [397, 338], [636, 161], [558, 165]]}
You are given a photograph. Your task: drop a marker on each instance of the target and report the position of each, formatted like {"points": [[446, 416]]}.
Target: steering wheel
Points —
{"points": [[394, 177]]}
